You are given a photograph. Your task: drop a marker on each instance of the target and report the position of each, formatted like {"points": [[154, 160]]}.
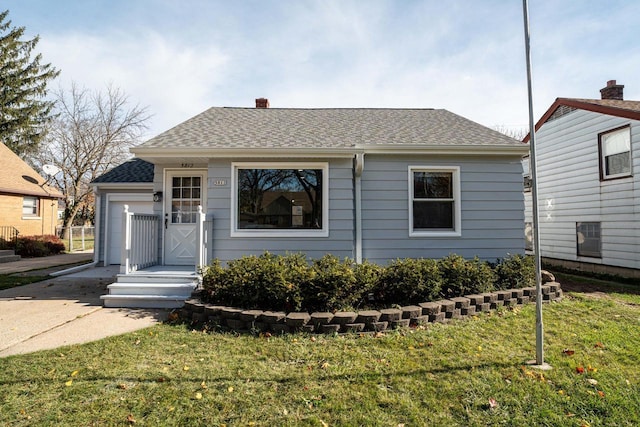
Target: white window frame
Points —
{"points": [[322, 232], [603, 152], [457, 210], [37, 206]]}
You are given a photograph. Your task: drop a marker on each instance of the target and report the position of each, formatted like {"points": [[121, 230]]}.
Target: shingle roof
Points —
{"points": [[133, 170], [613, 103], [336, 128], [17, 177]]}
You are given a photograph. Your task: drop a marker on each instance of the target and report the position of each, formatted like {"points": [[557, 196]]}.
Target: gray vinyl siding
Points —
{"points": [[570, 190], [341, 222], [492, 209]]}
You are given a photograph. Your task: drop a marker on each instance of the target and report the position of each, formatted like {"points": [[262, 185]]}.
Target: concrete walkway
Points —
{"points": [[64, 310]]}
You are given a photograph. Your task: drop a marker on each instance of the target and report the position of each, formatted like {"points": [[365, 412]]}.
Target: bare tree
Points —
{"points": [[91, 133], [518, 134]]}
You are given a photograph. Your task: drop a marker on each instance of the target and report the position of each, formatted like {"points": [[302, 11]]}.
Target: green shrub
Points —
{"points": [[465, 277], [39, 246], [409, 281], [268, 281], [515, 271], [333, 285]]}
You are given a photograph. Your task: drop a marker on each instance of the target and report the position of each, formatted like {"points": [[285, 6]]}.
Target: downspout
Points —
{"points": [[358, 167]]}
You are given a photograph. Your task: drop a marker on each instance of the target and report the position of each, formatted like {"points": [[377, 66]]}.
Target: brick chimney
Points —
{"points": [[612, 91], [264, 102]]}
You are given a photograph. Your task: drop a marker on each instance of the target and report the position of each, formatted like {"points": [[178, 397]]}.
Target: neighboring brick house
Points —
{"points": [[26, 202]]}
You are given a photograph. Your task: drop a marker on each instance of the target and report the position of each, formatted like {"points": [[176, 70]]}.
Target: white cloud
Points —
{"points": [[174, 80]]}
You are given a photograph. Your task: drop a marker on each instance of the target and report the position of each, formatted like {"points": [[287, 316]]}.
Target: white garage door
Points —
{"points": [[114, 225]]}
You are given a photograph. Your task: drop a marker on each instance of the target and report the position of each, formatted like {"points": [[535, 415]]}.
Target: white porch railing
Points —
{"points": [[139, 241], [203, 237]]}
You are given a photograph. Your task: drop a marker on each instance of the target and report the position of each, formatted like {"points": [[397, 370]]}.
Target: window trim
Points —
{"points": [[601, 159], [37, 206], [457, 202], [322, 232]]}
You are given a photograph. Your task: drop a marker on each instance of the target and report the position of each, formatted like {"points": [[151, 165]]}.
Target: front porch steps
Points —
{"points": [[154, 288], [8, 256]]}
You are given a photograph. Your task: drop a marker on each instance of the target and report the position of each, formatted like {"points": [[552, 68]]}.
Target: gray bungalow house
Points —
{"points": [[375, 184]]}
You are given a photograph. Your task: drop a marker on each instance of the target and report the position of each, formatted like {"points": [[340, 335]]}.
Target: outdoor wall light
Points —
{"points": [[157, 196]]}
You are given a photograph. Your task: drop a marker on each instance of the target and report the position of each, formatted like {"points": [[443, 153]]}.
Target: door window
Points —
{"points": [[185, 199]]}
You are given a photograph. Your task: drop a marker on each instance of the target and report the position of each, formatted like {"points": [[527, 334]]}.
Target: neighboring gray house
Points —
{"points": [[588, 156], [375, 184]]}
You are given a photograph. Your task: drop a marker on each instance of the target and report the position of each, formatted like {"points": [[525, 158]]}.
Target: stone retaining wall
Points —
{"points": [[231, 318]]}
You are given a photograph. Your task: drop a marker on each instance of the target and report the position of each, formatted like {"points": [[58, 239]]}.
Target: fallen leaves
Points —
{"points": [[568, 352], [131, 419], [492, 403]]}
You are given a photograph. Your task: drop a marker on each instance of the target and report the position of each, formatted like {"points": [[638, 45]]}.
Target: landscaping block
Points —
{"points": [[236, 324], [503, 295], [484, 307], [447, 306], [353, 327], [280, 328], [368, 316], [468, 311], [420, 320], [411, 311], [437, 317], [390, 314], [377, 326], [260, 326], [559, 294], [297, 319], [510, 302], [429, 308], [517, 293], [490, 297], [308, 328], [454, 314], [344, 317], [198, 317], [329, 329], [215, 320], [553, 287], [250, 315], [230, 313], [497, 304], [523, 300], [402, 323], [529, 292], [546, 289], [320, 318], [273, 317], [461, 302], [213, 310], [475, 299]]}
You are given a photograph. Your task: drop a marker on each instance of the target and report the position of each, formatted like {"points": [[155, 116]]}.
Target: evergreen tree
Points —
{"points": [[24, 110]]}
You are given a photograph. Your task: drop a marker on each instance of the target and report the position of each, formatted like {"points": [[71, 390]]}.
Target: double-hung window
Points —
{"points": [[280, 199], [615, 153], [434, 201], [588, 239], [30, 206]]}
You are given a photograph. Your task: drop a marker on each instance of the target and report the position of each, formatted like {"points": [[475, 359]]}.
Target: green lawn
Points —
{"points": [[12, 280], [466, 373]]}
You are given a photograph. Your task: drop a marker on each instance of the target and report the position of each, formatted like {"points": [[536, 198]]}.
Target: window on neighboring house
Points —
{"points": [[30, 206], [528, 236], [588, 239], [615, 153], [526, 173], [281, 199], [434, 201]]}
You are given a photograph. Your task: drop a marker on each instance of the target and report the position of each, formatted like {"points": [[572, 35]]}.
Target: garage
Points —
{"points": [[138, 203]]}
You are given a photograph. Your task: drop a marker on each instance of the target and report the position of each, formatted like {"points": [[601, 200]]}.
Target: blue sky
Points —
{"points": [[179, 57]]}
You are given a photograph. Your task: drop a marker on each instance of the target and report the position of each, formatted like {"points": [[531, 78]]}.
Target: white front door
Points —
{"points": [[185, 191]]}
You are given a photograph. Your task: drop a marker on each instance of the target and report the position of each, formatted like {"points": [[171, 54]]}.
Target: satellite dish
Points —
{"points": [[50, 169]]}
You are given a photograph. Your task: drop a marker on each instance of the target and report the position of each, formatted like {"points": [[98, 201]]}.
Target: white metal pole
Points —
{"points": [[534, 194]]}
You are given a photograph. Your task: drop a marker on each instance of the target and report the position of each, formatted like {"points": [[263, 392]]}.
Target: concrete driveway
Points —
{"points": [[65, 310]]}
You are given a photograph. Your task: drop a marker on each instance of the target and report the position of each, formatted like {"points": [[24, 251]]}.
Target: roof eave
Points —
{"points": [[468, 149], [122, 185]]}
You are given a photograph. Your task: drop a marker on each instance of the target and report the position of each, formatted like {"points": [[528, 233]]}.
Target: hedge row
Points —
{"points": [[290, 283], [35, 246]]}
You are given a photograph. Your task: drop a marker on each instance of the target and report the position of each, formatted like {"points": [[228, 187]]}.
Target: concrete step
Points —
{"points": [[157, 278], [8, 256], [143, 301], [163, 289]]}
